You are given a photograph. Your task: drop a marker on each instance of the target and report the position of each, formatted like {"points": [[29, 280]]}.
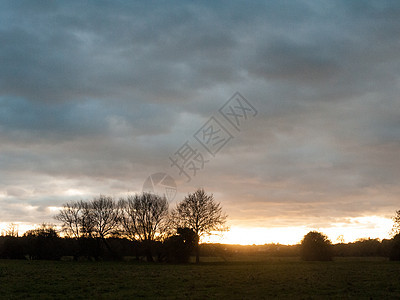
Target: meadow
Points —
{"points": [[364, 278]]}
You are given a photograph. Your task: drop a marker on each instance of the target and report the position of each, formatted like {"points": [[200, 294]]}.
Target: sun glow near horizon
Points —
{"points": [[351, 230], [20, 227], [258, 235]]}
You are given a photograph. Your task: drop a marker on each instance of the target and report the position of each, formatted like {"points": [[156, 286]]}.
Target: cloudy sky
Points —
{"points": [[95, 96]]}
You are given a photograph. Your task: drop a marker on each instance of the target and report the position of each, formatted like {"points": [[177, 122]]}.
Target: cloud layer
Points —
{"points": [[96, 96]]}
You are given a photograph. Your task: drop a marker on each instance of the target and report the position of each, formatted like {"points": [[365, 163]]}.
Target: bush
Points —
{"points": [[180, 246], [11, 248], [316, 246], [395, 250], [43, 243]]}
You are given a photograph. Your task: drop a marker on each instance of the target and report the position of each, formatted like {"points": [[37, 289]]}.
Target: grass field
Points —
{"points": [[274, 278]]}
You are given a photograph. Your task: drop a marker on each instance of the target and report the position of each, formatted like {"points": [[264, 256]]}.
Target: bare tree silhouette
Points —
{"points": [[199, 212], [144, 218], [99, 219], [11, 230], [396, 223], [71, 217]]}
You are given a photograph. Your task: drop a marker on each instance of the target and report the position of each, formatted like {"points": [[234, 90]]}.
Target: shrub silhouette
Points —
{"points": [[316, 246], [395, 250], [43, 243], [12, 248], [180, 246]]}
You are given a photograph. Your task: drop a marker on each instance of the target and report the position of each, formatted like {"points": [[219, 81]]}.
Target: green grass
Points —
{"points": [[274, 278]]}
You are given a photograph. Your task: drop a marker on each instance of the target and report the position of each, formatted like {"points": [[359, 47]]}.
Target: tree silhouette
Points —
{"points": [[104, 219], [199, 212], [105, 216], [316, 246], [144, 218], [396, 223], [71, 216], [91, 222], [11, 230], [395, 249], [88, 219]]}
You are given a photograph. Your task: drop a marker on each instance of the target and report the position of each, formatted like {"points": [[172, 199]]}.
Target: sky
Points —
{"points": [[96, 96]]}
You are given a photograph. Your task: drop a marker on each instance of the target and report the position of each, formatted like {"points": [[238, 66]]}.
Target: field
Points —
{"points": [[274, 278]]}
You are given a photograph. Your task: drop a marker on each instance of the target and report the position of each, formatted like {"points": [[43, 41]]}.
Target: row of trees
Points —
{"points": [[317, 246], [143, 225], [45, 243], [144, 219]]}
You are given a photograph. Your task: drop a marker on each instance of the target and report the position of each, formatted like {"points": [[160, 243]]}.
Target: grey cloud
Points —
{"points": [[88, 55], [98, 94]]}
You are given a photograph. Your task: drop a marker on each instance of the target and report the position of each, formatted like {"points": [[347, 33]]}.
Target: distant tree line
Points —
{"points": [[137, 226], [312, 248], [45, 243], [316, 246], [142, 226]]}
